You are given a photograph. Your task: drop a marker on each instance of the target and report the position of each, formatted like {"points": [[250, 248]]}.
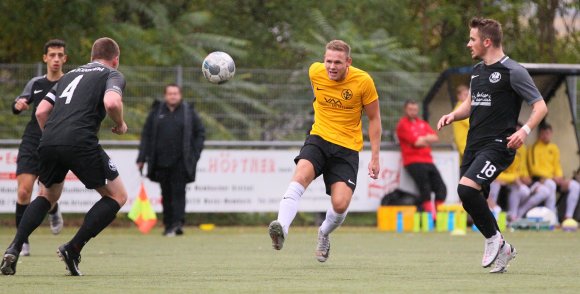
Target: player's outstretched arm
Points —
{"points": [[114, 107], [42, 112], [539, 111], [375, 130], [462, 112]]}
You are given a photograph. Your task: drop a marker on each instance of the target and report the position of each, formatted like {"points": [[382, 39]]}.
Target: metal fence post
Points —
{"points": [[179, 76]]}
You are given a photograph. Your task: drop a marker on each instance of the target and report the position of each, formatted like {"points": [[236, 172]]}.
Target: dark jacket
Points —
{"points": [[193, 138]]}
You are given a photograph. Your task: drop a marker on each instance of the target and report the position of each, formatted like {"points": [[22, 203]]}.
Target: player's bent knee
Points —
{"points": [[466, 193], [24, 195]]}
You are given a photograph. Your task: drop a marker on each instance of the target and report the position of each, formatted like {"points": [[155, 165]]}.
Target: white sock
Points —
{"points": [[572, 200], [289, 205], [332, 221]]}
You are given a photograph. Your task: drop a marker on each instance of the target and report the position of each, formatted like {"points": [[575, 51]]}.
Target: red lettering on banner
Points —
{"points": [[7, 175], [9, 158], [225, 164]]}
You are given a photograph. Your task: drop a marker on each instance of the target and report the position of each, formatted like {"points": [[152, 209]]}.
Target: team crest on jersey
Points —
{"points": [[495, 77], [112, 166], [346, 94]]}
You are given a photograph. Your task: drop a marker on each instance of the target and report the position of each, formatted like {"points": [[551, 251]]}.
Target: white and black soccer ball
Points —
{"points": [[218, 67]]}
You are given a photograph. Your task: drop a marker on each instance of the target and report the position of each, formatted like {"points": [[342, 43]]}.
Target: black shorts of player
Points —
{"points": [[92, 166], [27, 160], [484, 165], [334, 162]]}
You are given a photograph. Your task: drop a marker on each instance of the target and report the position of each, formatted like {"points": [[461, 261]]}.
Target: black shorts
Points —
{"points": [[92, 166], [484, 165], [334, 162], [27, 161]]}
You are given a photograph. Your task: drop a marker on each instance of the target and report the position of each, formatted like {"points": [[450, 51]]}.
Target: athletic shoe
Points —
{"points": [[25, 250], [9, 261], [506, 254], [179, 231], [491, 251], [56, 221], [71, 260], [277, 234], [323, 247]]}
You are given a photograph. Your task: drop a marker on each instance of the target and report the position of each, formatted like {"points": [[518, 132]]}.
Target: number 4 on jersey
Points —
{"points": [[70, 89]]}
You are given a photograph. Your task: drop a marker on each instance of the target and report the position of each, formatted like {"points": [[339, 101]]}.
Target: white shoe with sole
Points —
{"points": [[323, 247], [506, 254], [491, 251], [25, 250], [56, 221], [277, 235]]}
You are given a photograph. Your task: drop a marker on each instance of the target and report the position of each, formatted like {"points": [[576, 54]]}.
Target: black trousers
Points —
{"points": [[428, 179], [173, 182]]}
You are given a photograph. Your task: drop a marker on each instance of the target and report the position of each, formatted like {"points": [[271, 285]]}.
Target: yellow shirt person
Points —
{"points": [[518, 169], [544, 160], [461, 127], [338, 106]]}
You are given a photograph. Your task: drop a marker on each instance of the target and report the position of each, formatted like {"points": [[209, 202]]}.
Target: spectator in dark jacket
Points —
{"points": [[171, 144]]}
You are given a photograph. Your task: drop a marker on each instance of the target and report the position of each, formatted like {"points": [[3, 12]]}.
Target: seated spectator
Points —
{"points": [[544, 166], [415, 138]]}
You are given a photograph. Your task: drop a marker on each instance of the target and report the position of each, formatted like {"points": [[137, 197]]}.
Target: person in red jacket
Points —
{"points": [[415, 138]]}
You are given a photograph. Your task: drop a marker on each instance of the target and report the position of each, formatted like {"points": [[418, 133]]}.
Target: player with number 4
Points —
{"points": [[77, 105], [497, 88]]}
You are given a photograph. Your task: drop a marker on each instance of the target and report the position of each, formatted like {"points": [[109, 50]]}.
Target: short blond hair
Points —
{"points": [[339, 45]]}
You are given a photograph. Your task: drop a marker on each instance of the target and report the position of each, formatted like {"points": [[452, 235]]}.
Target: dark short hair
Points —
{"points": [[54, 43], [409, 101], [172, 85], [544, 126], [105, 48], [488, 29]]}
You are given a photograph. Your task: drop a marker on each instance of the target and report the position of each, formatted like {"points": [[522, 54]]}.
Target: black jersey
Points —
{"points": [[497, 92], [34, 91], [78, 105]]}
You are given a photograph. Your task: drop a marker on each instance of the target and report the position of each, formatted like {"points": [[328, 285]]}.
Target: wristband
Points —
{"points": [[526, 129]]}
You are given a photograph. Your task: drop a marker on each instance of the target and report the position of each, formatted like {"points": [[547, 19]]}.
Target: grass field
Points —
{"points": [[240, 260]]}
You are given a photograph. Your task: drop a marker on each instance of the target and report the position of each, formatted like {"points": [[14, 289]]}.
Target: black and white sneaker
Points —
{"points": [[71, 260], [9, 261]]}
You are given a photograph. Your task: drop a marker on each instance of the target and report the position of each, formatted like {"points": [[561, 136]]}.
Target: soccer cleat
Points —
{"points": [[323, 247], [9, 261], [56, 221], [71, 260], [25, 250], [277, 234], [492, 248], [506, 254]]}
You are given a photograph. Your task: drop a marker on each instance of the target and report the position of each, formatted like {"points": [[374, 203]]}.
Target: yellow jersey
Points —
{"points": [[517, 169], [338, 105], [544, 160], [460, 129]]}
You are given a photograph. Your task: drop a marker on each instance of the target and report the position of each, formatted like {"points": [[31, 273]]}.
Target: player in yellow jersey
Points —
{"points": [[461, 127], [545, 167], [342, 93]]}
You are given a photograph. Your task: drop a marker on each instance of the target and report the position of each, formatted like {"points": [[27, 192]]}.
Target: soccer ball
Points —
{"points": [[218, 67], [543, 213], [570, 225]]}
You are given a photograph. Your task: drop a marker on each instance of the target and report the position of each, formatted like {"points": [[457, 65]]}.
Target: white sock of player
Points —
{"points": [[572, 199], [332, 221], [289, 205]]}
